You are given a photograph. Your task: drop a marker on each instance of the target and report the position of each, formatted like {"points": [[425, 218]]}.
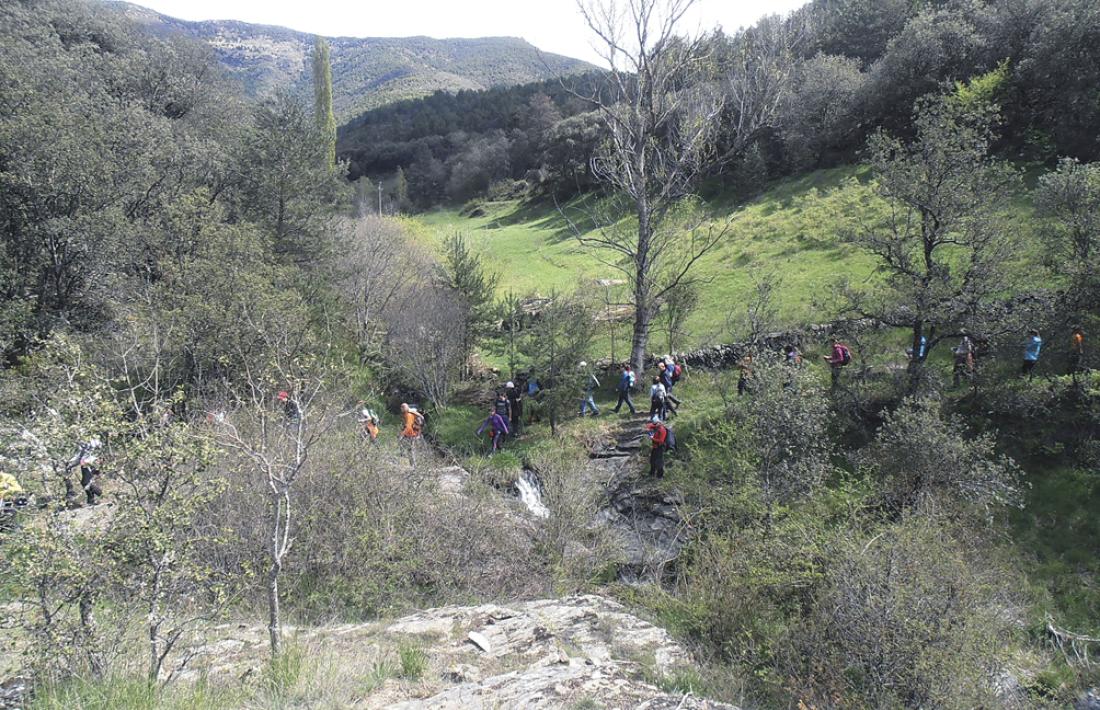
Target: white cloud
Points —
{"points": [[551, 25]]}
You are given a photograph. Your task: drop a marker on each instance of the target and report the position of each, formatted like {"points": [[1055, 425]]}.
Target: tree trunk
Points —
{"points": [[642, 306], [274, 627]]}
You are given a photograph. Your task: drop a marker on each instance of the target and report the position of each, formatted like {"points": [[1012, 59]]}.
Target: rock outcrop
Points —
{"points": [[549, 654], [578, 651]]}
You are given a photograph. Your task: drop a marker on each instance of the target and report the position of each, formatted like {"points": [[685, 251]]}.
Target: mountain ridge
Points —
{"points": [[367, 72]]}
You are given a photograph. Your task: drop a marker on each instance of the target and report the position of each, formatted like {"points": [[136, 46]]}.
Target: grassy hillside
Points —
{"points": [[792, 232], [366, 72]]}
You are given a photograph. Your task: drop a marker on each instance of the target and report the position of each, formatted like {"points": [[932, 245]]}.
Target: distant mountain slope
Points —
{"points": [[366, 72]]}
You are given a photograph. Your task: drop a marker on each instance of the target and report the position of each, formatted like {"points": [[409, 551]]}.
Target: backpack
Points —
{"points": [[419, 421], [632, 381], [670, 439], [677, 371], [845, 354]]}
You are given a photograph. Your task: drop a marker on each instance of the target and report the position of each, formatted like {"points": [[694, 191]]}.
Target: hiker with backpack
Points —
{"points": [[368, 422], [86, 460], [412, 428], [658, 403], [964, 359], [591, 384], [664, 373], [1031, 354], [497, 426], [675, 370], [838, 359], [515, 401], [626, 384], [503, 407], [661, 440], [291, 410], [744, 367]]}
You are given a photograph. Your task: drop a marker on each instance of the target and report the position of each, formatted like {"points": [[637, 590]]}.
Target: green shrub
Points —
{"points": [[413, 662]]}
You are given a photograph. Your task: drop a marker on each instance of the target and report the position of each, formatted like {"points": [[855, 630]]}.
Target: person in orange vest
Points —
{"points": [[412, 426], [1076, 351], [369, 421]]}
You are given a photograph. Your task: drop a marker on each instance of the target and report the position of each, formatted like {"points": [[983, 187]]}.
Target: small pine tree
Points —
{"points": [[465, 272]]}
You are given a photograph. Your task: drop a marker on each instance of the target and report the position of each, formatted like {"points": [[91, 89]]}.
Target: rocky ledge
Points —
{"points": [[549, 654]]}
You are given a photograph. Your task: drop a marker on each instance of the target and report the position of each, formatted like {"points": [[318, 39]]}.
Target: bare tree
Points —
{"points": [[426, 339], [375, 262], [663, 111], [277, 416]]}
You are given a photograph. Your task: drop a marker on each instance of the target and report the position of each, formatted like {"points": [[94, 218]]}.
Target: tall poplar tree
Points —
{"points": [[322, 96]]}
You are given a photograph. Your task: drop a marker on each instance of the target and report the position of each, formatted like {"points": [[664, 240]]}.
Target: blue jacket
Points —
{"points": [[626, 381], [666, 378], [1034, 345]]}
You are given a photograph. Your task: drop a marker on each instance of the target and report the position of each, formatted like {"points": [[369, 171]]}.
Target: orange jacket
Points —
{"points": [[409, 429]]}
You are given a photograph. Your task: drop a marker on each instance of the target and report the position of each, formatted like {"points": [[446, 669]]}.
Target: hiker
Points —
{"points": [[369, 422], [85, 459], [676, 372], [497, 426], [290, 408], [665, 376], [792, 356], [503, 407], [657, 399], [591, 384], [1076, 350], [922, 352], [412, 427], [625, 386], [745, 368], [11, 493], [659, 442], [1031, 354], [964, 358], [515, 399], [839, 358]]}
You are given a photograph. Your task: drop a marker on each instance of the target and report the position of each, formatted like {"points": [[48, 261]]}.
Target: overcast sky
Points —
{"points": [[550, 25]]}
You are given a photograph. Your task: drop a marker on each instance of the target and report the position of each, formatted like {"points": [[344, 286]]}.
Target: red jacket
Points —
{"points": [[660, 434]]}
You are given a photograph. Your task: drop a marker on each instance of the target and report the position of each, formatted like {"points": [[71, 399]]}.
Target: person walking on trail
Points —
{"points": [[591, 384], [838, 358], [368, 422], [412, 427], [86, 460], [675, 371], [497, 426], [290, 408], [1031, 354], [515, 400], [658, 443], [672, 403], [657, 399], [744, 367], [1076, 351], [792, 356], [964, 359], [504, 408], [626, 384]]}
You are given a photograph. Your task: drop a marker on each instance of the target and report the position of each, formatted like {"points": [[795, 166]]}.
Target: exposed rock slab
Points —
{"points": [[551, 653]]}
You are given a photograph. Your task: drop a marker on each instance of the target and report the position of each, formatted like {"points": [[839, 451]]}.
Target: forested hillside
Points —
{"points": [[755, 371], [858, 68], [366, 72]]}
